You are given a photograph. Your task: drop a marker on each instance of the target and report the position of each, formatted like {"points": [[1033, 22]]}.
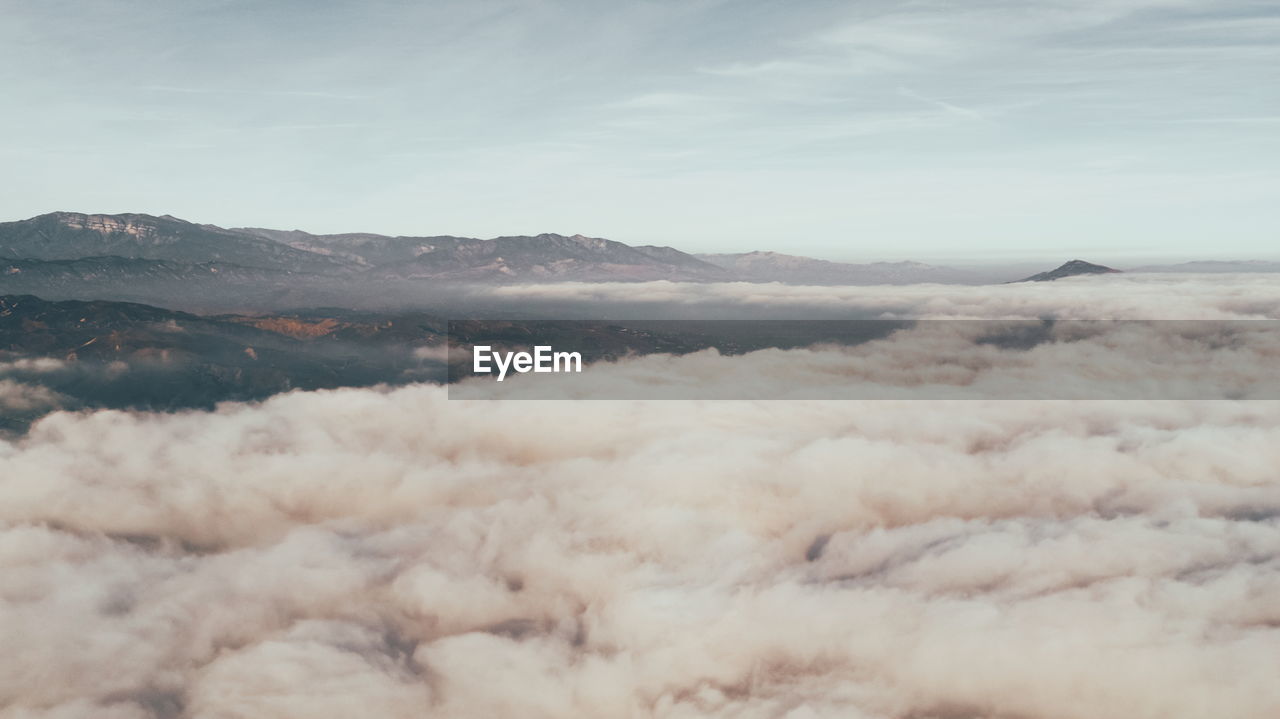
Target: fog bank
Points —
{"points": [[395, 554], [1135, 296]]}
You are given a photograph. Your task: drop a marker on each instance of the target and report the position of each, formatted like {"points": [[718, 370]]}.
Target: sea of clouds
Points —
{"points": [[393, 553], [1163, 296]]}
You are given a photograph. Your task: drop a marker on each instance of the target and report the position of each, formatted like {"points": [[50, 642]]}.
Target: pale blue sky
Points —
{"points": [[848, 130]]}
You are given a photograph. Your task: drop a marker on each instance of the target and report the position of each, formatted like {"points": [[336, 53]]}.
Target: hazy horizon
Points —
{"points": [[996, 131]]}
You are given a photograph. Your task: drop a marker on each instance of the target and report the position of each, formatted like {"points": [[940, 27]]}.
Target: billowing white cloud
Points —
{"points": [[21, 397], [394, 553]]}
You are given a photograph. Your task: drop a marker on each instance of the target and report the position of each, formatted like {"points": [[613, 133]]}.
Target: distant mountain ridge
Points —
{"points": [[74, 236], [777, 267], [71, 236], [92, 247], [1214, 266], [144, 257], [546, 256]]}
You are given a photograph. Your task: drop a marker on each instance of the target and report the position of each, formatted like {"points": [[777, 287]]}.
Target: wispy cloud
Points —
{"points": [[318, 94], [945, 106], [793, 104]]}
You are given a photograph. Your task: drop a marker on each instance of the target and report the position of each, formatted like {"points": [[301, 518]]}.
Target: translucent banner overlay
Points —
{"points": [[864, 359]]}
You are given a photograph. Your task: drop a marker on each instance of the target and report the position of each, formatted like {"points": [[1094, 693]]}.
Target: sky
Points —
{"points": [[857, 130]]}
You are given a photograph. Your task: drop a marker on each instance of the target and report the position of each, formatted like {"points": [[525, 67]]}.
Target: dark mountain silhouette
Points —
{"points": [[1070, 269]]}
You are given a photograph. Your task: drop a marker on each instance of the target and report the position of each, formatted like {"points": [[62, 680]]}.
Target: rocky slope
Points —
{"points": [[75, 236]]}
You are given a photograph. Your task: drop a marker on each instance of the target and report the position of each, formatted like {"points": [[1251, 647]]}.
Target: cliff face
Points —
{"points": [[135, 225]]}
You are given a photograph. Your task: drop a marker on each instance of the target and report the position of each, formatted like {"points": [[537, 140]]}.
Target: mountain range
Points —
{"points": [[71, 247], [201, 250], [172, 262]]}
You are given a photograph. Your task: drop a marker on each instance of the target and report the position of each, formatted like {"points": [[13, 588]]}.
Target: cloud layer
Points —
{"points": [[395, 554], [1124, 296]]}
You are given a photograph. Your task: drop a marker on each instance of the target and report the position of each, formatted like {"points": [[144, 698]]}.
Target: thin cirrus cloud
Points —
{"points": [[229, 91]]}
